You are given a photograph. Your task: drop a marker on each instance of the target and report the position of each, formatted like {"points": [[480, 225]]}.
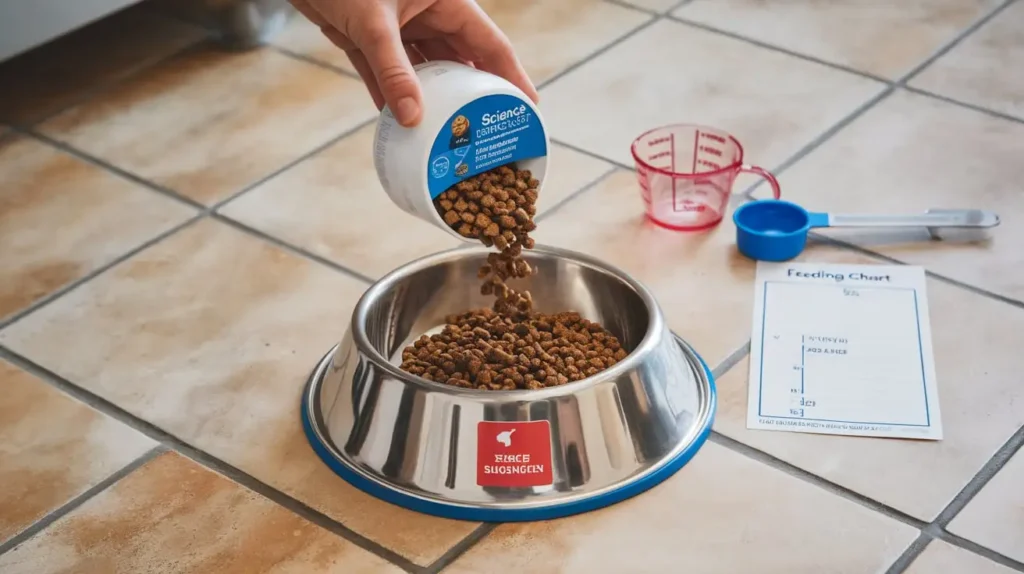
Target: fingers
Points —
{"points": [[381, 44], [337, 38], [368, 31], [440, 50], [415, 55], [358, 62], [366, 73], [479, 38], [341, 41], [303, 7]]}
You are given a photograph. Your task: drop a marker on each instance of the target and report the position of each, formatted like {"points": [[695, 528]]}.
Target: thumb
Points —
{"points": [[381, 43]]}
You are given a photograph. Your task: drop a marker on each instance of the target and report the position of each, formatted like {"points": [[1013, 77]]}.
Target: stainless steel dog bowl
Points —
{"points": [[507, 455]]}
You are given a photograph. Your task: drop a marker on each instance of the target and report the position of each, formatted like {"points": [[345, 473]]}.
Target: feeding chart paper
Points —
{"points": [[842, 349]]}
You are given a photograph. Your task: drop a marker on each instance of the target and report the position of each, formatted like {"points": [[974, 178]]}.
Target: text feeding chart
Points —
{"points": [[842, 349]]}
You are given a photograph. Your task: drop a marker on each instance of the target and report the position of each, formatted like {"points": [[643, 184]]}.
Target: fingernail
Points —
{"points": [[407, 110]]}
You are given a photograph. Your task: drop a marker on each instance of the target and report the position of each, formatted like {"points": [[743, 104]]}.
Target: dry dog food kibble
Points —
{"points": [[508, 346], [485, 350], [496, 207]]}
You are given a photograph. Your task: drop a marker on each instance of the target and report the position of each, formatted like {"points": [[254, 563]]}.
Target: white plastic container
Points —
{"points": [[472, 122]]}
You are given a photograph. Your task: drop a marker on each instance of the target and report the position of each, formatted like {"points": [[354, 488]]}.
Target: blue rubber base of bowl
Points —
{"points": [[483, 514]]}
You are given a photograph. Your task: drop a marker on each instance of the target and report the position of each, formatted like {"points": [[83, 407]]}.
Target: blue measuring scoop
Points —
{"points": [[776, 230]]}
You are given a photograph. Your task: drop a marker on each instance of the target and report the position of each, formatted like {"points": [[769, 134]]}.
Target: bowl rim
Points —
{"points": [[655, 325]]}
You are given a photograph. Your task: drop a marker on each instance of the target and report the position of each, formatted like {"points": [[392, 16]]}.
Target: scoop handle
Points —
{"points": [[932, 218]]}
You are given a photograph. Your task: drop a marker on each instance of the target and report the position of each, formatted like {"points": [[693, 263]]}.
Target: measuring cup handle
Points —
{"points": [[767, 175]]}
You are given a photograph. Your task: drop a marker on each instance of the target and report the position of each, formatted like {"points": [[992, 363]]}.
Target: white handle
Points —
{"points": [[933, 218]]}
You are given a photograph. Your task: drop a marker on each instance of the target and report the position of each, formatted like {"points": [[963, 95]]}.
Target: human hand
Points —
{"points": [[385, 38]]}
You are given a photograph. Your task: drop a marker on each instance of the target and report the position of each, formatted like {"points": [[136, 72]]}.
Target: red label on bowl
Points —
{"points": [[513, 454]]}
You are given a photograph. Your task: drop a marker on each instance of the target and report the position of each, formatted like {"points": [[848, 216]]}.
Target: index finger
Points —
{"points": [[480, 40], [380, 42]]}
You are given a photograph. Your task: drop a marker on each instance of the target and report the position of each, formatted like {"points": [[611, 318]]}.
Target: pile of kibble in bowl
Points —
{"points": [[509, 346]]}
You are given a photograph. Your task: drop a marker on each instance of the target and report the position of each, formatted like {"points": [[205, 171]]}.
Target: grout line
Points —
{"points": [[962, 104], [901, 81], [289, 165], [585, 188], [797, 472], [484, 529], [919, 545], [139, 180], [936, 528], [591, 154], [948, 46], [653, 12], [600, 51], [968, 287], [204, 212], [978, 549], [679, 5], [294, 249], [948, 280], [731, 361], [461, 547], [891, 87], [205, 459], [983, 476], [313, 61], [910, 554], [65, 289], [69, 506], [90, 93], [99, 163], [780, 49], [625, 4], [825, 136]]}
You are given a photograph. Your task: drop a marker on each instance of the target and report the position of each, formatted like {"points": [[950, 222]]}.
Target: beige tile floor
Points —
{"points": [[184, 230]]}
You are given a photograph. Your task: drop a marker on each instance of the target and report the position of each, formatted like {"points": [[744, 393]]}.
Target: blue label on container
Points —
{"points": [[486, 133]]}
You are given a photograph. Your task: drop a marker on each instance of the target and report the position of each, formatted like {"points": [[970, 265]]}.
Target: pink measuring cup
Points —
{"points": [[686, 173]]}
